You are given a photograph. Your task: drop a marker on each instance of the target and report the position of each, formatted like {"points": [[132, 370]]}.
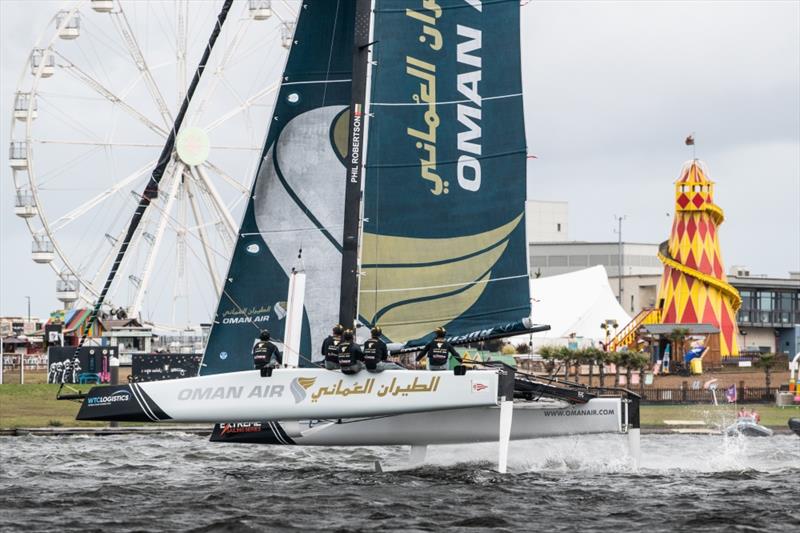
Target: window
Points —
{"points": [[557, 261], [539, 260], [558, 226], [765, 301], [578, 260], [747, 300], [631, 303]]}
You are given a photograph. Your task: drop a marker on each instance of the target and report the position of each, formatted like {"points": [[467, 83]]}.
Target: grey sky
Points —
{"points": [[612, 89]]}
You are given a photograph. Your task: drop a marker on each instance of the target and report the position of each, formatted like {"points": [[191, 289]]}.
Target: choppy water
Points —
{"points": [[185, 483]]}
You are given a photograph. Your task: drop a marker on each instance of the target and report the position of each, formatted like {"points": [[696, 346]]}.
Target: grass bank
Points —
{"points": [[36, 406], [772, 416]]}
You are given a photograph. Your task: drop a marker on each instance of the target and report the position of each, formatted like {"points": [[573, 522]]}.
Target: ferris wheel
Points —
{"points": [[93, 107]]}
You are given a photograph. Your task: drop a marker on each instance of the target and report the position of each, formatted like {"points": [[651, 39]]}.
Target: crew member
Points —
{"points": [[350, 355], [376, 353], [439, 351], [330, 348], [266, 354]]}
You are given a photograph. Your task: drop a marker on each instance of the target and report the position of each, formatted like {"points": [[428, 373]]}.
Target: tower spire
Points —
{"points": [[694, 288]]}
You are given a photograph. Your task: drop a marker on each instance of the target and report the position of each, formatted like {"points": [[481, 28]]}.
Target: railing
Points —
{"points": [[627, 335], [743, 395]]}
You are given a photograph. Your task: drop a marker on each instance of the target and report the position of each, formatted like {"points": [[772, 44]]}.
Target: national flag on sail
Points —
{"points": [[357, 111], [730, 394]]}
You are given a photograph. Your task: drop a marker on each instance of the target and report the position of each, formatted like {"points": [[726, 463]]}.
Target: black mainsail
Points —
{"points": [[298, 196]]}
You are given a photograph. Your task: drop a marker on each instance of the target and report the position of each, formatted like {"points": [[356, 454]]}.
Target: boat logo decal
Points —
{"points": [[253, 248], [478, 386], [299, 386], [223, 355], [119, 396], [241, 427]]}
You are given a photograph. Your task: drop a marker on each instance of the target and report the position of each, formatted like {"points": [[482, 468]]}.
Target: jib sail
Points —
{"points": [[294, 215], [445, 187]]}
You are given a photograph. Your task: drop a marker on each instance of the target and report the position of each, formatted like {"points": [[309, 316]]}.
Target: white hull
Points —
{"points": [[530, 420], [294, 394]]}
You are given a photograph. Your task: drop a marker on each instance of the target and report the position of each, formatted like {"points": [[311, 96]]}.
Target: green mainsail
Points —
{"points": [[445, 187], [443, 225]]}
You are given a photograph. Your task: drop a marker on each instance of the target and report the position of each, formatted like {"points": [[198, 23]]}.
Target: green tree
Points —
{"points": [[523, 348], [550, 356], [615, 358], [766, 363], [678, 338], [602, 361], [635, 361], [592, 356]]}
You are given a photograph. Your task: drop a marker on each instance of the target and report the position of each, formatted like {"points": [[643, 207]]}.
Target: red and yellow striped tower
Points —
{"points": [[694, 288]]}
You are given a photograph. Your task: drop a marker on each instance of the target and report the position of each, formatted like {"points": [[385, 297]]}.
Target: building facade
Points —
{"points": [[546, 221], [769, 318], [768, 321], [641, 270]]}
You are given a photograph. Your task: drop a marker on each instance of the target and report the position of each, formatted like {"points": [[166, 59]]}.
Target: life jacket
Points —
{"points": [[439, 352], [349, 354], [346, 356], [374, 353], [262, 351], [332, 345]]}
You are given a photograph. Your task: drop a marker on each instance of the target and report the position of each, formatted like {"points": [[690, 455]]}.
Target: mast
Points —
{"points": [[151, 189], [348, 301]]}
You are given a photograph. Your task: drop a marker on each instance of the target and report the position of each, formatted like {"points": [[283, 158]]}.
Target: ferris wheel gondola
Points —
{"points": [[93, 105]]}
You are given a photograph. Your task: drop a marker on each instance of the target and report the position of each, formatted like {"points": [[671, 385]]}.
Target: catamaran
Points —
{"points": [[391, 191]]}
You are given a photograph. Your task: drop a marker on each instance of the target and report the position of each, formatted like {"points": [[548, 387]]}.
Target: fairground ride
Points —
{"points": [[93, 106]]}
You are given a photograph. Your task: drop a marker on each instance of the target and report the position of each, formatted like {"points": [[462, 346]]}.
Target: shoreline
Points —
{"points": [[206, 431]]}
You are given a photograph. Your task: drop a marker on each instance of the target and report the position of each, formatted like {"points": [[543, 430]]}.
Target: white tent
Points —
{"points": [[574, 304]]}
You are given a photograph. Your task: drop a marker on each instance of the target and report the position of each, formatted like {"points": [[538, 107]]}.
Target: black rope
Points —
{"points": [[151, 190]]}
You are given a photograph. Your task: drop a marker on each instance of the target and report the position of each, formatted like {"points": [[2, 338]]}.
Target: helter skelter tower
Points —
{"points": [[694, 288]]}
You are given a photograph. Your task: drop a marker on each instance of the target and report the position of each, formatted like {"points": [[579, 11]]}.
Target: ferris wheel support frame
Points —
{"points": [[197, 183], [202, 233], [152, 254]]}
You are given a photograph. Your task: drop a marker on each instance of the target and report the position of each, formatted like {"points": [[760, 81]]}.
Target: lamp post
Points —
{"points": [[22, 356], [620, 261]]}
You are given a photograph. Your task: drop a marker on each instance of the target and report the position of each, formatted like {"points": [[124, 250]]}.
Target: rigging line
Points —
{"points": [[176, 225], [448, 102], [158, 172], [293, 230], [330, 52], [475, 282], [257, 327], [312, 82]]}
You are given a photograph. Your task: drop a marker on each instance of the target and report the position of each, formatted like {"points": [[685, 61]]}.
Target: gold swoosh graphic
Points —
{"points": [[407, 301]]}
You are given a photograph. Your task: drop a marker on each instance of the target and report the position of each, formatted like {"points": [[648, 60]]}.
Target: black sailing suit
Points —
{"points": [[375, 353], [266, 354], [438, 352], [350, 357], [330, 351]]}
